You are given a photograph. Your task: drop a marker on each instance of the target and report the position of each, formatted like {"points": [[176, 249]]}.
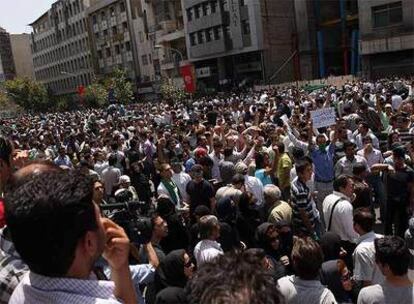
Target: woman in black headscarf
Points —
{"points": [[334, 273], [177, 237], [172, 276], [267, 238], [226, 212]]}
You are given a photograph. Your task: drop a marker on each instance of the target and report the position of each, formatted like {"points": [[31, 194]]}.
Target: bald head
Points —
{"points": [[33, 169]]}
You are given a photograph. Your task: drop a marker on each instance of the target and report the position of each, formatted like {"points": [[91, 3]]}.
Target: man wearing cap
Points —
{"points": [[399, 194], [125, 184], [253, 184]]}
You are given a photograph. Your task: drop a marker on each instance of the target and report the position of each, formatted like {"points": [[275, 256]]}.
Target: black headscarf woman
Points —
{"points": [[172, 276], [267, 238], [226, 213]]}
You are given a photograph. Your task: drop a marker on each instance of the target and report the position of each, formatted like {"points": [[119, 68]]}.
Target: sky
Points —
{"points": [[15, 15]]}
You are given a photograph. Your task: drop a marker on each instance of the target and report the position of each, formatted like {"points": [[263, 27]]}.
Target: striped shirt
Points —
{"points": [[302, 199]]}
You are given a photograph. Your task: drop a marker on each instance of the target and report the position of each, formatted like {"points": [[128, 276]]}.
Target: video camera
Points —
{"points": [[128, 215]]}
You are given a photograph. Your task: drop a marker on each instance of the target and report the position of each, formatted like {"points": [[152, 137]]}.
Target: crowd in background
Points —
{"points": [[247, 202]]}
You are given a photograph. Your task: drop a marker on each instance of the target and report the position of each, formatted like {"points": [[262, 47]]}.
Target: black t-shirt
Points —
{"points": [[397, 184], [212, 118], [199, 193]]}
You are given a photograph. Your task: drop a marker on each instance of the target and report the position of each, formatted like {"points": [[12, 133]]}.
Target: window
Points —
{"points": [[128, 46], [225, 5], [245, 27], [105, 33], [144, 59], [108, 52], [124, 26], [112, 11], [196, 12], [103, 15], [208, 35], [204, 8], [217, 33], [122, 7], [200, 37], [192, 39], [189, 14], [150, 58], [387, 15], [117, 50], [94, 19], [114, 30]]}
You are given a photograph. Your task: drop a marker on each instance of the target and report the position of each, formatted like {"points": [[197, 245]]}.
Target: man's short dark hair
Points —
{"points": [[301, 165], [6, 149], [47, 216], [112, 160], [348, 144], [237, 179], [233, 278], [392, 251], [307, 258], [280, 147], [340, 182], [364, 218]]}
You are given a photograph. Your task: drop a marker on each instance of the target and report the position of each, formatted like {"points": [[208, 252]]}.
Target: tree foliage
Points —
{"points": [[121, 87], [95, 95], [28, 94], [173, 93]]}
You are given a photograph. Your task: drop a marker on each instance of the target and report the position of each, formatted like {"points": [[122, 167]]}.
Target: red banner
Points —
{"points": [[188, 74]]}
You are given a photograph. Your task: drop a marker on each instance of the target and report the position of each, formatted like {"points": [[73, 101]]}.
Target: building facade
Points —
{"points": [[112, 37], [22, 55], [387, 37], [7, 67], [60, 47]]}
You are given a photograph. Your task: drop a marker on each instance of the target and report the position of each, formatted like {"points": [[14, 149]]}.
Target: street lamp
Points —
{"points": [[159, 46]]}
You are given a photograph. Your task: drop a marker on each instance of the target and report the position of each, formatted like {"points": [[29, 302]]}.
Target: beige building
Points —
{"points": [[60, 47], [20, 44]]}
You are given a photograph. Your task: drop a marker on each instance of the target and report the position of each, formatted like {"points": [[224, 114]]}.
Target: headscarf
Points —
{"points": [[331, 247], [226, 211], [263, 240], [171, 271]]}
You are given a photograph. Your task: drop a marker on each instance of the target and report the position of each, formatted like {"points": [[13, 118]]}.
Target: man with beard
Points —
{"points": [[59, 233]]}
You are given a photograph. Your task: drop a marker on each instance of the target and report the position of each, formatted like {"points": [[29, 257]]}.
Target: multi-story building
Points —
{"points": [[112, 37], [60, 47], [386, 37], [7, 68], [22, 55]]}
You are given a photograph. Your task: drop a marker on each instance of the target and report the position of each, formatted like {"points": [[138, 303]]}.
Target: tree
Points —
{"points": [[173, 93], [28, 94], [121, 87], [95, 95]]}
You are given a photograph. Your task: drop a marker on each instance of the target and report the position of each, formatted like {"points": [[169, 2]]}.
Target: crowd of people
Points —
{"points": [[234, 198]]}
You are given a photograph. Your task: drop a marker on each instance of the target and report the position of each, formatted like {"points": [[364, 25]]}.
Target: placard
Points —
{"points": [[323, 117]]}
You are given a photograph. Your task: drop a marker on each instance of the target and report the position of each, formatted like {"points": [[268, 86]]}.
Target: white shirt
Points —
{"points": [[206, 251], [345, 166], [110, 177], [358, 140], [396, 101], [342, 217], [365, 268], [181, 180], [255, 186], [297, 291], [375, 157], [100, 166], [215, 170], [162, 190]]}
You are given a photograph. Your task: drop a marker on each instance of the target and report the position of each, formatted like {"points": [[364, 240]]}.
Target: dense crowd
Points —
{"points": [[234, 198]]}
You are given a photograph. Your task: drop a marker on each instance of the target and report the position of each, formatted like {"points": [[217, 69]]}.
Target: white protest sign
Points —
{"points": [[323, 117]]}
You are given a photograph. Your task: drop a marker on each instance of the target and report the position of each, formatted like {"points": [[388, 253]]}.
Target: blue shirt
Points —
{"points": [[264, 178], [324, 163]]}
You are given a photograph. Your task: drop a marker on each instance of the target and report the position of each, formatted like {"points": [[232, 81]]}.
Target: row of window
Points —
{"points": [[113, 32], [116, 50], [70, 66], [387, 15], [63, 51], [113, 10], [203, 9], [146, 59], [216, 33], [70, 83], [74, 29]]}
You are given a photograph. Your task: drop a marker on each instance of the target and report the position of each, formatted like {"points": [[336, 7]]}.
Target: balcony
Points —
{"points": [[118, 59], [170, 36], [128, 56], [101, 63], [95, 28], [127, 36], [104, 25], [113, 21], [123, 17]]}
